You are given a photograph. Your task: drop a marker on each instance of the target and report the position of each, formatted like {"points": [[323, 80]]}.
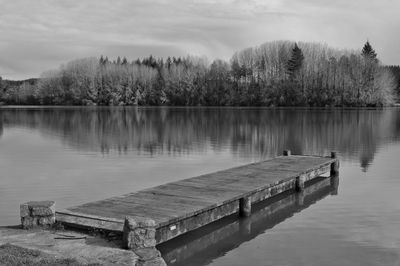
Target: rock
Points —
{"points": [[27, 222], [154, 262], [37, 213], [139, 233], [49, 220], [149, 242], [42, 208], [147, 253], [24, 210]]}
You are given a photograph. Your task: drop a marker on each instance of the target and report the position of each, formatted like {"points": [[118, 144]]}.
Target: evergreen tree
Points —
{"points": [[369, 73], [124, 61], [168, 62], [295, 62], [368, 52]]}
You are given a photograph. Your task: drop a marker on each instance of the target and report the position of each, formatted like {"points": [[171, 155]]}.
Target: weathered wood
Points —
{"points": [[87, 220], [185, 205]]}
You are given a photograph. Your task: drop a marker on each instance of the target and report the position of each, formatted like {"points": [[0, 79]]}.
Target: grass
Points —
{"points": [[11, 255]]}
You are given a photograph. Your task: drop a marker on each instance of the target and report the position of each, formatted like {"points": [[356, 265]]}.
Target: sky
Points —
{"points": [[40, 35]]}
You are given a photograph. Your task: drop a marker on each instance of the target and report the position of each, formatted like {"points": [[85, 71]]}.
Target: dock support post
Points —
{"points": [[334, 165], [300, 183], [139, 235], [245, 206], [287, 153]]}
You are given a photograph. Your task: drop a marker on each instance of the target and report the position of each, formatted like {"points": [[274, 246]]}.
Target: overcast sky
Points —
{"points": [[42, 34]]}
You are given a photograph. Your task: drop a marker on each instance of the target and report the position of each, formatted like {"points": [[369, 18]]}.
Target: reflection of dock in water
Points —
{"points": [[200, 247]]}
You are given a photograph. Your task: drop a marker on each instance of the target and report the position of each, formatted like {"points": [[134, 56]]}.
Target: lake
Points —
{"points": [[75, 154]]}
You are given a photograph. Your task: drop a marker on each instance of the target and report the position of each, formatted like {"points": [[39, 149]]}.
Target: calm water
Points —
{"points": [[75, 155]]}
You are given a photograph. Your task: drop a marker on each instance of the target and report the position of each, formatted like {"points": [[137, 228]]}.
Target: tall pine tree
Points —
{"points": [[369, 72], [368, 52], [295, 62]]}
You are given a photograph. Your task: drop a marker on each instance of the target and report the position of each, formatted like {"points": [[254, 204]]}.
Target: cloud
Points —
{"points": [[38, 35]]}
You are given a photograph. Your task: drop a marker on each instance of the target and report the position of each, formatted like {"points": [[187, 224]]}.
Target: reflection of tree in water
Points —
{"points": [[256, 133], [367, 142], [1, 124]]}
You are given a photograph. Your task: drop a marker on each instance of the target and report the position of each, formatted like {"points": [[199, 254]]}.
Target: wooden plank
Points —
{"points": [[167, 200], [212, 195], [121, 213], [89, 220]]}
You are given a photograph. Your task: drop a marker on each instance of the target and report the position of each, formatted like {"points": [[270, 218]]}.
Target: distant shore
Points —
{"points": [[278, 73], [132, 107], [38, 106]]}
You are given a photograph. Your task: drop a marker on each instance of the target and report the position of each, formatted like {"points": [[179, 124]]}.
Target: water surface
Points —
{"points": [[74, 155]]}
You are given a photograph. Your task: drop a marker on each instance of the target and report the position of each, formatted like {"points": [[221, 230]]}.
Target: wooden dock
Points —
{"points": [[220, 238], [179, 207]]}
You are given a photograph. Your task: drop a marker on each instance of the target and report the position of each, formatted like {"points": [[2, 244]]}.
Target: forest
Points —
{"points": [[279, 73]]}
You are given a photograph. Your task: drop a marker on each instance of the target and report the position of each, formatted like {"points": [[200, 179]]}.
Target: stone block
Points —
{"points": [[28, 222], [139, 233], [24, 210], [149, 242], [37, 213], [147, 253], [42, 208], [141, 222], [48, 220], [151, 233], [149, 257], [154, 262]]}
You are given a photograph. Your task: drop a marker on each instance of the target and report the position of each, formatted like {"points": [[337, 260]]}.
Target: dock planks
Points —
{"points": [[196, 201]]}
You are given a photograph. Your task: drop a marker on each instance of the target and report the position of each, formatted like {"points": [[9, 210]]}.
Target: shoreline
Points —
{"points": [[58, 246], [191, 107]]}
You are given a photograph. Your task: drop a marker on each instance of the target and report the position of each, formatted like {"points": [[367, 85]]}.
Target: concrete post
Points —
{"points": [[245, 206], [334, 165], [37, 214], [287, 153], [300, 183]]}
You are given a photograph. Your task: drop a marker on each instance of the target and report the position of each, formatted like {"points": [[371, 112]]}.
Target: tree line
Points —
{"points": [[279, 73]]}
